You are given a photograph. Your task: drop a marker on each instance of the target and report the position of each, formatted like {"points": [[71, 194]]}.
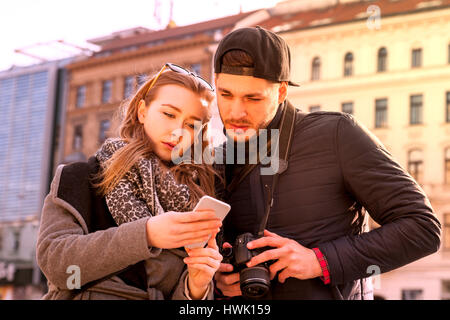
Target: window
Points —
{"points": [[128, 87], [380, 113], [77, 142], [447, 116], [314, 108], [28, 95], [415, 165], [416, 59], [81, 96], [1, 239], [446, 231], [448, 53], [106, 91], [196, 68], [16, 235], [445, 290], [447, 166], [412, 294], [347, 107], [382, 60], [141, 79], [130, 48], [315, 69], [348, 64], [104, 127], [415, 113]]}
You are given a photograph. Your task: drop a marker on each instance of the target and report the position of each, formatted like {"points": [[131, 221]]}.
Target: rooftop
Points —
{"points": [[211, 26], [335, 12]]}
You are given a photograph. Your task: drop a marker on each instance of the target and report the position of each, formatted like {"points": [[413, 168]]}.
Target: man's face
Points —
{"points": [[247, 104]]}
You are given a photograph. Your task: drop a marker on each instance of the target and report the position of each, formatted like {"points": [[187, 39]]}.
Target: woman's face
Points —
{"points": [[169, 120]]}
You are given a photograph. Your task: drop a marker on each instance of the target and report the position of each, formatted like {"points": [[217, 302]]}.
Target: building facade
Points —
{"points": [[387, 63]]}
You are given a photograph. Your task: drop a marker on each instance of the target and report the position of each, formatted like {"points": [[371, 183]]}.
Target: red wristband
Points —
{"points": [[324, 265]]}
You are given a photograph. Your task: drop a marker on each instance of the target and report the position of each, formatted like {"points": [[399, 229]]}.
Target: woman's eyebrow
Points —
{"points": [[171, 106], [179, 110]]}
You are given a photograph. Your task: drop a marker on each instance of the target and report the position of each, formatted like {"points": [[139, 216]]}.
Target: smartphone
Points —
{"points": [[221, 209]]}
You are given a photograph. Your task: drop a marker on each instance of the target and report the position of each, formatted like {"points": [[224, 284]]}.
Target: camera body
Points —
{"points": [[254, 281]]}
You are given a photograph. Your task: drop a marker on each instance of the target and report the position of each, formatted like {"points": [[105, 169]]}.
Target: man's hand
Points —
{"points": [[293, 260], [226, 281]]}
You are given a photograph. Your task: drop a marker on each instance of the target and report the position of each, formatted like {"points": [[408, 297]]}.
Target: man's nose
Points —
{"points": [[238, 110]]}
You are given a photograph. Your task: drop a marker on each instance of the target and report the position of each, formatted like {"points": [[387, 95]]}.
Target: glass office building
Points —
{"points": [[30, 103]]}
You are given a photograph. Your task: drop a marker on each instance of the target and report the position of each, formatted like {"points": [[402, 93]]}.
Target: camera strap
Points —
{"points": [[286, 135]]}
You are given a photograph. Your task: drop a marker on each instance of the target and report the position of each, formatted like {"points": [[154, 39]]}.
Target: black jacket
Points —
{"points": [[336, 165]]}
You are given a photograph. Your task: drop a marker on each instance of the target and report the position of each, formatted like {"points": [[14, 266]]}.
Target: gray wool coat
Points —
{"points": [[64, 244]]}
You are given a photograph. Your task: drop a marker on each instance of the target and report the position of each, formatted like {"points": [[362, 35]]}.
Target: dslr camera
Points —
{"points": [[254, 281]]}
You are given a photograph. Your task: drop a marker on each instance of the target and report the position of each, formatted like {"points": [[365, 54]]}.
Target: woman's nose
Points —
{"points": [[176, 134], [179, 131]]}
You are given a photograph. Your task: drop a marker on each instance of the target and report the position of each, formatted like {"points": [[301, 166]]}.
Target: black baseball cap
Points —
{"points": [[270, 54]]}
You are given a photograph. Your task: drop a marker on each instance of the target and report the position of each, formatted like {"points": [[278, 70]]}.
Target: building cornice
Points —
{"points": [[332, 25], [359, 27], [200, 41]]}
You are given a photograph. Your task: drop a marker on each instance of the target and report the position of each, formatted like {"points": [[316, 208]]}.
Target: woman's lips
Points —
{"points": [[169, 145]]}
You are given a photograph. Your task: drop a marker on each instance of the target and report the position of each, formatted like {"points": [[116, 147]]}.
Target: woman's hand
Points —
{"points": [[202, 265], [178, 229]]}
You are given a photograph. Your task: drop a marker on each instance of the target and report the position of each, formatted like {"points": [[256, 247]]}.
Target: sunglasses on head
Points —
{"points": [[178, 69]]}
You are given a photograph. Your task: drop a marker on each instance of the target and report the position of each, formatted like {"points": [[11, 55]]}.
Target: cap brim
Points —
{"points": [[293, 84]]}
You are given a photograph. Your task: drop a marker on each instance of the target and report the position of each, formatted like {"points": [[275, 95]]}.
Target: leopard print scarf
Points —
{"points": [[144, 190]]}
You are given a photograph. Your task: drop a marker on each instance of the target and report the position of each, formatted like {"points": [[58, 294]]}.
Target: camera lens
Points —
{"points": [[227, 252], [255, 282]]}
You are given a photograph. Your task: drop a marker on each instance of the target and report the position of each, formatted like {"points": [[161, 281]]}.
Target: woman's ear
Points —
{"points": [[142, 111]]}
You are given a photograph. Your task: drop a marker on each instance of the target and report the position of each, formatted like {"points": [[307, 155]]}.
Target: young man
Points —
{"points": [[314, 237]]}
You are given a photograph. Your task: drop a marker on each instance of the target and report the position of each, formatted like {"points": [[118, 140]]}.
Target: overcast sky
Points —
{"points": [[24, 23]]}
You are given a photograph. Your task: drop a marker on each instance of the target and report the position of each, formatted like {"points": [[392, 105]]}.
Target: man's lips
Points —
{"points": [[238, 127]]}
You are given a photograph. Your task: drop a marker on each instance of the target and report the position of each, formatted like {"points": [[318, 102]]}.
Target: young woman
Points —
{"points": [[116, 226]]}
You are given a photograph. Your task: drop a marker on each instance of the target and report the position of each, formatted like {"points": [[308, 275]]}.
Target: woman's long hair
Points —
{"points": [[199, 178]]}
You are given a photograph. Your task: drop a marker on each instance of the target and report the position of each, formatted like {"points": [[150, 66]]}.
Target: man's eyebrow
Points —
{"points": [[222, 89], [195, 118], [250, 94]]}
